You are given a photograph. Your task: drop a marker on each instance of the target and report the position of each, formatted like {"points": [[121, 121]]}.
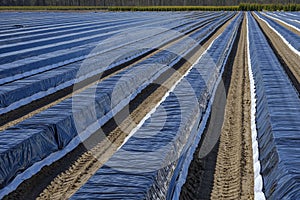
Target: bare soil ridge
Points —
{"points": [[86, 162], [288, 59], [234, 171], [226, 172]]}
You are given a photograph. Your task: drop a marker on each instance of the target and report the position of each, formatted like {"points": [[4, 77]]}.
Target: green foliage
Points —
{"points": [[173, 8], [62, 8], [269, 7], [241, 7], [124, 8]]}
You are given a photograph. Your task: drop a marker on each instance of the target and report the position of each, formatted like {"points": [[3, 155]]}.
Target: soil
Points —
{"points": [[233, 178], [54, 182], [287, 27], [24, 112], [226, 172], [222, 167], [288, 59]]}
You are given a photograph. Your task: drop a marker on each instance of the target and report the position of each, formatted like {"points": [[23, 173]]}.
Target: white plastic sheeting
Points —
{"points": [[289, 38], [48, 132], [277, 120], [258, 186], [149, 164]]}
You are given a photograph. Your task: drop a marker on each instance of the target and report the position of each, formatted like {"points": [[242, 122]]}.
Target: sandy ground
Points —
{"points": [[286, 26], [24, 112], [226, 172], [233, 177], [53, 183], [289, 60]]}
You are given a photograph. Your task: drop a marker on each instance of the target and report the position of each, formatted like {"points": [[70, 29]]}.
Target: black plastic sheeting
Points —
{"points": [[285, 18], [290, 36], [289, 15], [92, 32], [56, 74], [149, 163], [45, 22], [277, 120], [51, 130]]}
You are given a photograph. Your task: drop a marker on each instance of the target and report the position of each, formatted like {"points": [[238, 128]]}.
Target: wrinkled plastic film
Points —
{"points": [[277, 124]]}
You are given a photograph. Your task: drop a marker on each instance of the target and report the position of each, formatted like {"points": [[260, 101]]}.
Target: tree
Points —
{"points": [[140, 2]]}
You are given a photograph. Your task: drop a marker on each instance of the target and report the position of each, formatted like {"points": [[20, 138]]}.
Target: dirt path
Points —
{"points": [[288, 59], [233, 177], [27, 111], [226, 171], [286, 26], [62, 185]]}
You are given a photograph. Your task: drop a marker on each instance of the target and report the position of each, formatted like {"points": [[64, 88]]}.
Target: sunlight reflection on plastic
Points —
{"points": [[102, 101]]}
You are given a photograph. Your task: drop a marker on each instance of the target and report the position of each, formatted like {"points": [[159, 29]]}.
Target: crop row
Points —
{"points": [[277, 116], [48, 132], [241, 7], [41, 57], [149, 164], [60, 63]]}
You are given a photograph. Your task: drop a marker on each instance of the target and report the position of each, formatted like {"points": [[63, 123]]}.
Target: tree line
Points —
{"points": [[140, 2]]}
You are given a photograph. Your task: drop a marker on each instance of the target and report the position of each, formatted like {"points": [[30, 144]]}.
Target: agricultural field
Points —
{"points": [[150, 105]]}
